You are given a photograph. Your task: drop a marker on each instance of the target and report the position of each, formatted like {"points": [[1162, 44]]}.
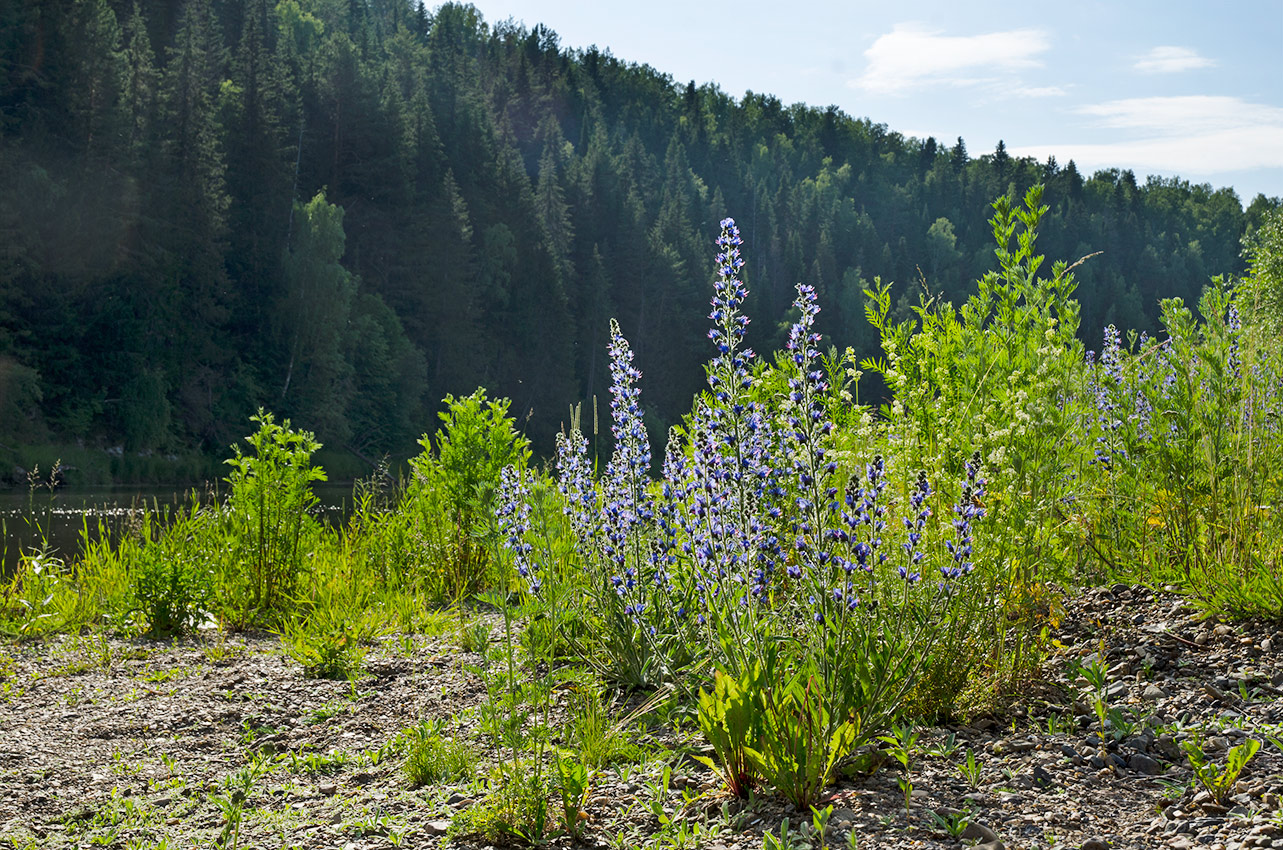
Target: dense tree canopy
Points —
{"points": [[346, 209]]}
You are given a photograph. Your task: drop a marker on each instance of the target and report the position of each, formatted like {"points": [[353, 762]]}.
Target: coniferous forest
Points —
{"points": [[345, 210]]}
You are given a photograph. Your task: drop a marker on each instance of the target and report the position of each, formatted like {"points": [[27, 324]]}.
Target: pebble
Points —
{"points": [[1143, 764], [977, 831], [1153, 693], [437, 827]]}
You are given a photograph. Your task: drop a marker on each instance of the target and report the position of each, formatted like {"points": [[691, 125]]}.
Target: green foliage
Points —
{"points": [[998, 376], [515, 808], [268, 518], [476, 441], [451, 498], [1262, 288], [970, 769], [433, 758], [596, 738], [1188, 464], [1217, 779], [801, 744], [573, 785], [326, 646], [731, 718], [173, 578]]}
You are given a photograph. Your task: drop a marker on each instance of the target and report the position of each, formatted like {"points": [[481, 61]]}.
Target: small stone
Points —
{"points": [[1068, 751], [1094, 843], [1221, 630], [327, 789], [1117, 692], [437, 827], [1266, 645], [1143, 764], [1153, 693], [977, 831]]}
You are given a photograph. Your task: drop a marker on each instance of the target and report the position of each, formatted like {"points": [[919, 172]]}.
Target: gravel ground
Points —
{"points": [[130, 743]]}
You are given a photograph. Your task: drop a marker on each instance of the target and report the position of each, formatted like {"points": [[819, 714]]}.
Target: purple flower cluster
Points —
{"points": [[731, 485], [575, 481], [921, 511], [1235, 327], [626, 504], [809, 428], [1106, 381], [969, 508], [513, 515]]}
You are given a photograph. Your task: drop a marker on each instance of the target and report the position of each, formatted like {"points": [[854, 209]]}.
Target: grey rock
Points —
{"points": [[1118, 691], [1166, 747], [1143, 764], [1152, 693], [977, 831], [1094, 843], [437, 827]]}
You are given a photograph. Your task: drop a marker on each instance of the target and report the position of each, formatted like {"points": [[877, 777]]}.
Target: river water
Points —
{"points": [[59, 522]]}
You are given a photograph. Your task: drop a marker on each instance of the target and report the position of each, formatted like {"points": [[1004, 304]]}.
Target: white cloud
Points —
{"points": [[911, 56], [1036, 91], [1187, 135], [1169, 59], [1183, 114]]}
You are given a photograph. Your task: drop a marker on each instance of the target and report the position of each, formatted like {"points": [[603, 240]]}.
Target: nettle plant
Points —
{"points": [[815, 588]]}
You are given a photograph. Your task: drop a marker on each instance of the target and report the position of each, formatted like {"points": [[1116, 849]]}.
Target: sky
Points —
{"points": [[1174, 88]]}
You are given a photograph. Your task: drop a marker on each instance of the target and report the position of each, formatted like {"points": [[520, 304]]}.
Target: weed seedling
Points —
{"points": [[1219, 781], [952, 824], [970, 770]]}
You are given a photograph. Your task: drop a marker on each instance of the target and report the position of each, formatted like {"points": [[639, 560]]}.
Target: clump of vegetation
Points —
{"points": [[432, 757]]}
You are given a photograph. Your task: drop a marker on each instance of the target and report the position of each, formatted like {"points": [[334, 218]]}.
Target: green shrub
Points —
{"points": [[269, 526], [171, 579], [451, 497]]}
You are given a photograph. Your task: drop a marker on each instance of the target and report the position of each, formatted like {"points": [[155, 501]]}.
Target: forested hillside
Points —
{"points": [[343, 210]]}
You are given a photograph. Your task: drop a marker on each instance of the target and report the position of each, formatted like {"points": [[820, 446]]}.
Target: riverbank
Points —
{"points": [[136, 742]]}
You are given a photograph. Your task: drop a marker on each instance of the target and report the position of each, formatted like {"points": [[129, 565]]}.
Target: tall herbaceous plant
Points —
{"points": [[807, 584], [1187, 470], [1002, 375]]}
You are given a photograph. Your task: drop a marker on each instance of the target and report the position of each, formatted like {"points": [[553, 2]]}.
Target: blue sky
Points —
{"points": [[1193, 89]]}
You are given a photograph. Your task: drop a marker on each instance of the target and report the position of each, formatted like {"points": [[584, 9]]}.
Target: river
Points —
{"points": [[59, 521]]}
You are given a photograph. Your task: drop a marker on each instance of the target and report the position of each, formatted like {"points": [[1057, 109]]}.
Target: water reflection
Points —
{"points": [[62, 521]]}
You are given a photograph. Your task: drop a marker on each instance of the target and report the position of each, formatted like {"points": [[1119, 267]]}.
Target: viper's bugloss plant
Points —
{"points": [[814, 583], [1189, 466]]}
